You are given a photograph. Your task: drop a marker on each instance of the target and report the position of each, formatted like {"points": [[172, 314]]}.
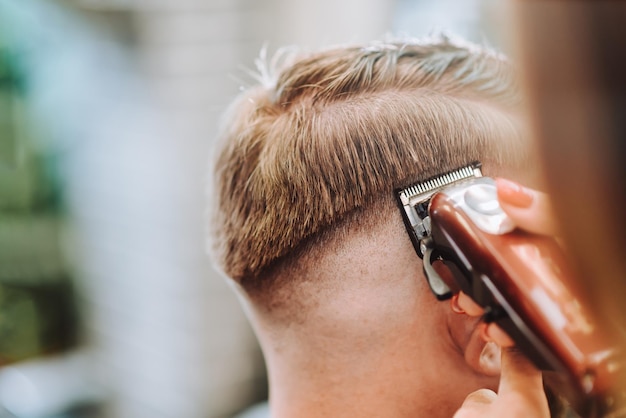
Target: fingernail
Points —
{"points": [[513, 193], [483, 332], [454, 304]]}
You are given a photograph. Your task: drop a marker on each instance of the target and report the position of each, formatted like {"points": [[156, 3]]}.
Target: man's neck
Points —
{"points": [[307, 387]]}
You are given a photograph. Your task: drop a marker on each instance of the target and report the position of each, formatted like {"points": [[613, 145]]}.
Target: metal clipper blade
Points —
{"points": [[414, 199]]}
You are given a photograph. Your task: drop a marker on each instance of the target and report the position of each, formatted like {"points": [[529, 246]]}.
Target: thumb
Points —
{"points": [[476, 404], [520, 380], [518, 373]]}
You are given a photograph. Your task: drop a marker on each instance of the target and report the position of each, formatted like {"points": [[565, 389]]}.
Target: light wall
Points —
{"points": [[165, 332]]}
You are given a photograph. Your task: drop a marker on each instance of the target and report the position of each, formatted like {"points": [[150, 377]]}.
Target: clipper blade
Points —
{"points": [[414, 199]]}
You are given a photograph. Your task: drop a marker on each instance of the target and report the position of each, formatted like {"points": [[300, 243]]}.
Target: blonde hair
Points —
{"points": [[337, 130]]}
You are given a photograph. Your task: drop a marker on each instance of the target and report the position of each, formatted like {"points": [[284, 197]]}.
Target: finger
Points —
{"points": [[476, 403], [529, 209], [497, 335], [520, 376], [492, 332], [521, 386], [468, 305]]}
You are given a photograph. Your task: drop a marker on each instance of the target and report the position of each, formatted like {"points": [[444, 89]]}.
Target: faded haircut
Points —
{"points": [[329, 133]]}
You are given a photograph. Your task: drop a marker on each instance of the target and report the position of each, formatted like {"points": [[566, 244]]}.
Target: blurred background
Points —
{"points": [[109, 306]]}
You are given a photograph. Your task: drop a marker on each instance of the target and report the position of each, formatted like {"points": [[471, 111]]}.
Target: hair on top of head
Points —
{"points": [[330, 132]]}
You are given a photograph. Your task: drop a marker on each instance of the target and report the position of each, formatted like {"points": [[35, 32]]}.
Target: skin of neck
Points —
{"points": [[361, 335]]}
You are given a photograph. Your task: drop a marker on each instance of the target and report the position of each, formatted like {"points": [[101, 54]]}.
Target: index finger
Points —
{"points": [[532, 213]]}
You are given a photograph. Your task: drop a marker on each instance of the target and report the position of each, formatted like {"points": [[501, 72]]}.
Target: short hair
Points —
{"points": [[332, 132]]}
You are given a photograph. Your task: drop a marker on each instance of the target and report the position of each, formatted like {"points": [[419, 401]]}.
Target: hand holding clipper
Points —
{"points": [[520, 279]]}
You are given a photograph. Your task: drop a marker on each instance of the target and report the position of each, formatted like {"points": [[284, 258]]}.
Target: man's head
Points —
{"points": [[306, 222]]}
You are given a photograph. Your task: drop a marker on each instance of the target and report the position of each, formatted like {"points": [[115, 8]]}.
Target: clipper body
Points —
{"points": [[522, 281]]}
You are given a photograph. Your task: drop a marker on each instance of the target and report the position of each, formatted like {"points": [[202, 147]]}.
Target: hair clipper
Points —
{"points": [[520, 279]]}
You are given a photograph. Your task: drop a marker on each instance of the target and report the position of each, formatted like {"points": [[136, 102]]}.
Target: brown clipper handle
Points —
{"points": [[522, 281]]}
